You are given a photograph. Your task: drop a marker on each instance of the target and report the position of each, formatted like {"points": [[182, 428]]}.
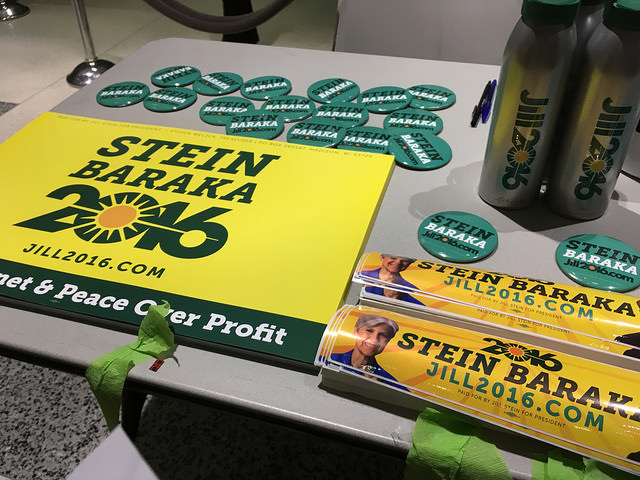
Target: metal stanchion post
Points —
{"points": [[92, 67], [10, 9]]}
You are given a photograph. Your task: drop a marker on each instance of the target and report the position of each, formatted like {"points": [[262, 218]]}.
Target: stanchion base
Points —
{"points": [[87, 72], [11, 10]]}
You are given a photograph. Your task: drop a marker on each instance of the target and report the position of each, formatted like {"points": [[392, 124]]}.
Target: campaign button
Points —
{"points": [[366, 139], [317, 133], [170, 99], [431, 97], [333, 90], [263, 88], [290, 107], [419, 150], [255, 124], [219, 83], [384, 99], [179, 76], [345, 113], [219, 110], [122, 94], [600, 262], [411, 118], [457, 236]]}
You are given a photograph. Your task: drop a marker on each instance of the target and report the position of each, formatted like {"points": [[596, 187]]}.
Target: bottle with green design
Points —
{"points": [[533, 75], [600, 126]]}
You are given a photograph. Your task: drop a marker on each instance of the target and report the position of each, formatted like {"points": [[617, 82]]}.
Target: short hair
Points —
{"points": [[370, 320], [383, 255]]}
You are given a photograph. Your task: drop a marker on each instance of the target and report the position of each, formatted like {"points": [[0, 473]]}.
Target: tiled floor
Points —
{"points": [[49, 420]]}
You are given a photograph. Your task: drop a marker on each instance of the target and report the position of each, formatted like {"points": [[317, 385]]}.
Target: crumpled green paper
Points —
{"points": [[447, 448], [107, 374], [558, 465]]}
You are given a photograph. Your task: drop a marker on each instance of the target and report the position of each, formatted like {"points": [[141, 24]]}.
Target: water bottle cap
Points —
{"points": [[550, 11], [624, 14]]}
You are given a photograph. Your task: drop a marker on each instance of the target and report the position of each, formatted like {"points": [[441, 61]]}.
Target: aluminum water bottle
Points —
{"points": [[599, 127], [534, 71]]}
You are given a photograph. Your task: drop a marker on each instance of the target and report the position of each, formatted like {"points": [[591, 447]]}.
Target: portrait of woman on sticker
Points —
{"points": [[389, 271], [373, 333]]}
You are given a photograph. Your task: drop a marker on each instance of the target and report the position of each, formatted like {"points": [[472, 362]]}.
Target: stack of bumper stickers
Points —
{"points": [[555, 362]]}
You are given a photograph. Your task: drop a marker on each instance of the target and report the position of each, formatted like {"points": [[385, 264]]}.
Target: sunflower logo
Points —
{"points": [[597, 167], [517, 352], [521, 157], [119, 217]]}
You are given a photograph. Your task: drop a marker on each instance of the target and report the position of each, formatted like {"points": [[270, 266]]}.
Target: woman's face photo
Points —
{"points": [[372, 340]]}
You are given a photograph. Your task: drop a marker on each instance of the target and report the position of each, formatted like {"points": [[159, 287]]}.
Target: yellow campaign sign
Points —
{"points": [[582, 405], [258, 225]]}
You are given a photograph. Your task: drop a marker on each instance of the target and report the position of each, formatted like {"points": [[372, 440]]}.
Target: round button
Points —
{"points": [[317, 133], [600, 262], [457, 236], [179, 76], [255, 124], [366, 139], [290, 107], [418, 150], [431, 97], [411, 118], [170, 99], [219, 83], [219, 110], [122, 94], [333, 90], [263, 88], [384, 99], [347, 114]]}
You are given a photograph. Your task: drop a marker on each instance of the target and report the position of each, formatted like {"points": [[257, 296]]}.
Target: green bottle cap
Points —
{"points": [[219, 110], [458, 236], [170, 99], [255, 124], [122, 94], [623, 14], [418, 150], [347, 114], [179, 76], [219, 83], [550, 11], [414, 119], [318, 133], [431, 97], [600, 262], [263, 88], [384, 99], [333, 90], [366, 139], [290, 107]]}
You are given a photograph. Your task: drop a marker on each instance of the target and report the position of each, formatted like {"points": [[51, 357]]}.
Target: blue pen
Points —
{"points": [[486, 106]]}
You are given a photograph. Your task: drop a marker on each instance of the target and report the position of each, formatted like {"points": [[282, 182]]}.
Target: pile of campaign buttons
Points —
{"points": [[333, 114]]}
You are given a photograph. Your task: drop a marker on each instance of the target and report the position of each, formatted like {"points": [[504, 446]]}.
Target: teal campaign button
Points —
{"points": [[219, 83], [122, 94], [333, 90], [347, 114], [600, 262], [317, 133], [263, 88], [255, 124], [219, 110], [411, 118], [384, 99], [170, 99], [457, 236], [290, 107], [179, 76], [366, 139], [419, 150], [431, 97]]}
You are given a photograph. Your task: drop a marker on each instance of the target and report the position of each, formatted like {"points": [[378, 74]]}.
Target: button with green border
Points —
{"points": [[122, 94], [457, 236], [218, 83], [256, 125], [412, 118], [431, 97], [219, 110], [290, 107], [419, 150], [317, 133], [179, 76], [366, 139], [384, 99], [599, 261], [170, 99], [345, 113], [333, 90], [263, 88]]}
